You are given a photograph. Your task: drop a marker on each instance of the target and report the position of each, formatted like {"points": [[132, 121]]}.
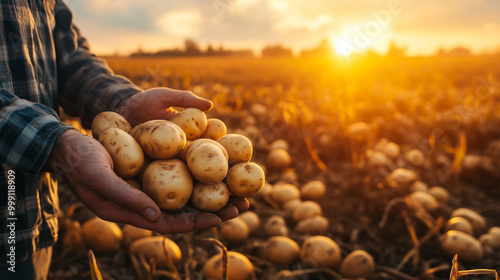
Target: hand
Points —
{"points": [[88, 170], [157, 103]]}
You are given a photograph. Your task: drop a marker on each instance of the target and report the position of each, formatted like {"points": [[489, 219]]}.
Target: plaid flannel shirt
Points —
{"points": [[44, 63]]}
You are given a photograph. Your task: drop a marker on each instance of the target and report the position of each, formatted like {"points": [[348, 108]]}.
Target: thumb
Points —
{"points": [[184, 99]]}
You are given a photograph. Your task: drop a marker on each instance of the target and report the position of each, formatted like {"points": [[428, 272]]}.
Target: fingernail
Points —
{"points": [[150, 214]]}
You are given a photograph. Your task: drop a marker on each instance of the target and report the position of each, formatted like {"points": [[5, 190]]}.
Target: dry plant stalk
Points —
{"points": [[224, 254], [456, 273], [170, 262], [314, 155], [94, 270]]}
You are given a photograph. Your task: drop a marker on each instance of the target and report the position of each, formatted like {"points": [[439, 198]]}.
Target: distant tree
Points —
{"points": [[394, 50], [322, 49], [276, 50], [210, 50], [459, 51], [191, 47]]}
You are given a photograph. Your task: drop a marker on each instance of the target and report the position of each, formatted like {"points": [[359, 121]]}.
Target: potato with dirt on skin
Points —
{"points": [[468, 248], [238, 147], [210, 197], [275, 225], [207, 163], [320, 251], [159, 139], [282, 193], [183, 153], [215, 129], [251, 219], [358, 263], [152, 248], [477, 220], [169, 183], [305, 210], [126, 153], [106, 120], [192, 121], [196, 143], [239, 267], [102, 236], [245, 179], [313, 190], [281, 250]]}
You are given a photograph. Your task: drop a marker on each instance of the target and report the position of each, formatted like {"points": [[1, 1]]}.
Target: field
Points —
{"points": [[337, 116]]}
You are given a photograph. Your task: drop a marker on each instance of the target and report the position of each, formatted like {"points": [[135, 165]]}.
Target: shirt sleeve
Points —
{"points": [[28, 132], [87, 86]]}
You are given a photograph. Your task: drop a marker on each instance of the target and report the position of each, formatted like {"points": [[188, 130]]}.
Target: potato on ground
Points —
{"points": [[102, 236], [320, 251], [358, 263], [275, 226], [192, 121], [132, 233], [245, 179], [468, 248], [106, 120], [207, 163], [313, 190], [281, 250], [234, 230], [239, 267], [159, 139], [278, 159], [313, 226], [152, 248], [126, 153], [251, 219], [169, 183]]}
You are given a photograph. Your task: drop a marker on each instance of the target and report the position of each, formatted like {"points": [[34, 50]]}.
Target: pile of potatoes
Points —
{"points": [[187, 157]]}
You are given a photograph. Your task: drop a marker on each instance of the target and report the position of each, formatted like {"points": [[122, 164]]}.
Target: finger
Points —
{"points": [[242, 204], [179, 222], [124, 195], [184, 99], [228, 212]]}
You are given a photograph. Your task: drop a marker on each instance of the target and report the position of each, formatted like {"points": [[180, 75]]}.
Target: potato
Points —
{"points": [[391, 150], [283, 193], [215, 129], [159, 139], [126, 153], [377, 159], [315, 225], [245, 179], [358, 263], [207, 163], [320, 251], [238, 147], [131, 233], [192, 121], [200, 141], [402, 178], [425, 199], [415, 157], [239, 267], [183, 153], [477, 220], [169, 183], [291, 205], [210, 197], [281, 250], [102, 236], [278, 159], [106, 120], [279, 144], [152, 248], [460, 224], [490, 240], [306, 209], [289, 176], [251, 219], [275, 226], [419, 186], [134, 183], [468, 248], [313, 190], [234, 230], [359, 131], [441, 194]]}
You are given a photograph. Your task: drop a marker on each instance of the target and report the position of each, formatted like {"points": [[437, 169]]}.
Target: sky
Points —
{"points": [[124, 26]]}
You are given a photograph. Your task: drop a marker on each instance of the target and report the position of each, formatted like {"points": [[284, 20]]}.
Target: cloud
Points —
{"points": [[180, 22]]}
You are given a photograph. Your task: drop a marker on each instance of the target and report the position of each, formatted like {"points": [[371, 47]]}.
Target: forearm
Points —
{"points": [[28, 132]]}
